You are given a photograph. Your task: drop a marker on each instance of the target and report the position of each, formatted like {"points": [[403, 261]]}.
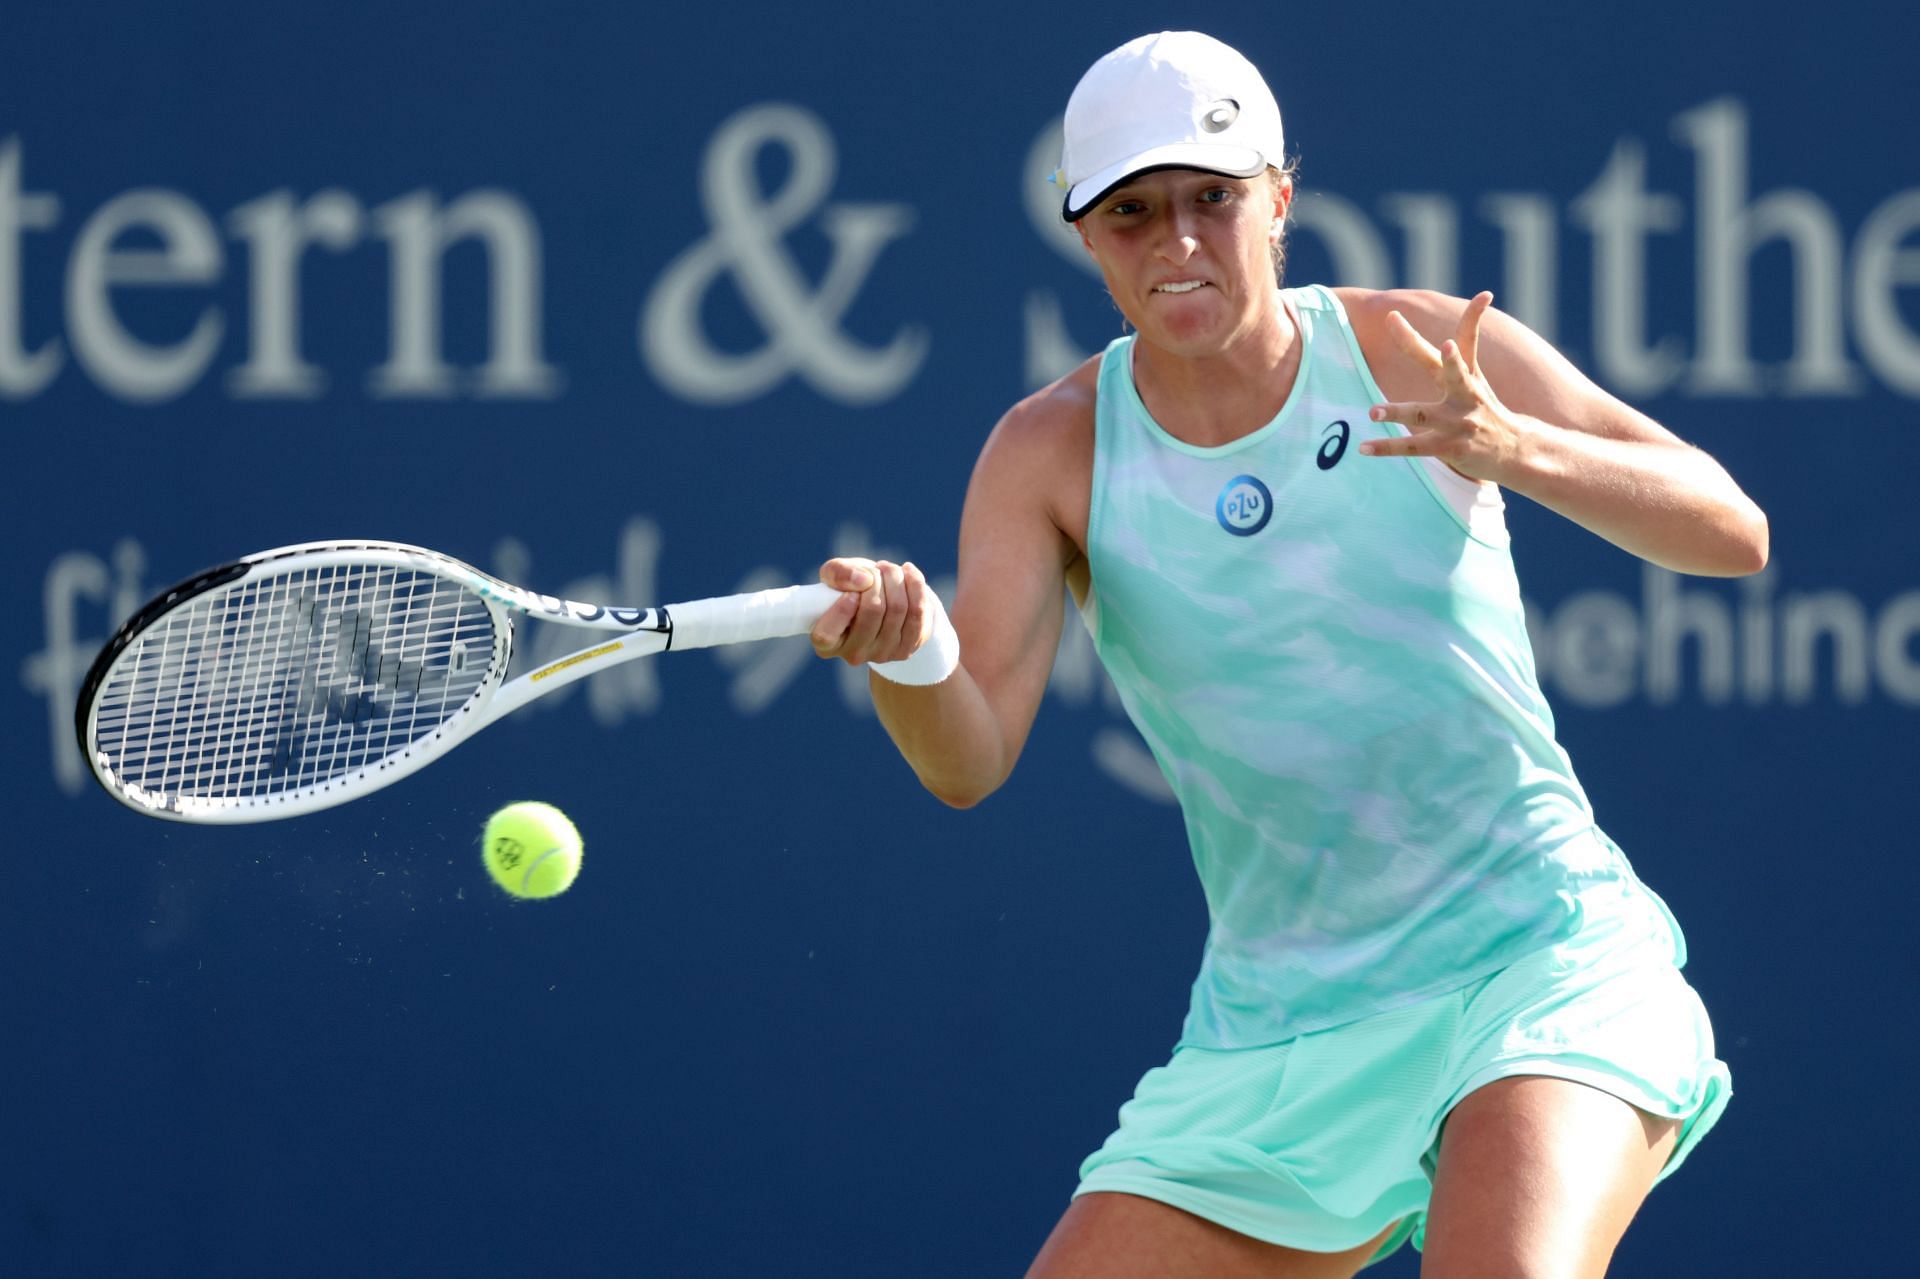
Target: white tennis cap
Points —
{"points": [[1176, 100]]}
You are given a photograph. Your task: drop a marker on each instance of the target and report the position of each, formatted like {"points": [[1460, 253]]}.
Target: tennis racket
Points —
{"points": [[303, 677]]}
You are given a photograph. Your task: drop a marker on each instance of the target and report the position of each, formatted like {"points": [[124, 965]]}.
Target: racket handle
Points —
{"points": [[758, 615]]}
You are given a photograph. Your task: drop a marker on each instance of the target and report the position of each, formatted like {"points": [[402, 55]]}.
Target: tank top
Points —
{"points": [[1327, 654]]}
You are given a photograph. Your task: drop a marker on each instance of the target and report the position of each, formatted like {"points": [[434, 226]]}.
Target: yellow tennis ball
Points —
{"points": [[531, 849]]}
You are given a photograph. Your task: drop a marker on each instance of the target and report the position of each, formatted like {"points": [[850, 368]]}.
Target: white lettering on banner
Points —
{"points": [[802, 326], [55, 672], [190, 254], [1619, 214], [1857, 285], [1833, 284], [420, 233], [417, 228], [1880, 266], [279, 234], [1683, 640], [1728, 230], [23, 373]]}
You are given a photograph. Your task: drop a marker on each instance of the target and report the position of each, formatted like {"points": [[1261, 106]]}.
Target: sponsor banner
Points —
{"points": [[621, 311]]}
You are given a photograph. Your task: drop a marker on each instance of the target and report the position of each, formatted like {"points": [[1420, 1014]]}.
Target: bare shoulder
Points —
{"points": [[1436, 317], [1433, 315], [1048, 432], [1057, 417], [1040, 454]]}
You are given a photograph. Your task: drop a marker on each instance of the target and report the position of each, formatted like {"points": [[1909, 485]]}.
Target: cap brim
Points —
{"points": [[1232, 162]]}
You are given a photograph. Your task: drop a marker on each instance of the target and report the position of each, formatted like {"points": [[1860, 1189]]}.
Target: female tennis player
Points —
{"points": [[1436, 1004]]}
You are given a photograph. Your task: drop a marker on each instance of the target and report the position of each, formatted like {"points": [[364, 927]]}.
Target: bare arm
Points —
{"points": [[962, 735], [1513, 410]]}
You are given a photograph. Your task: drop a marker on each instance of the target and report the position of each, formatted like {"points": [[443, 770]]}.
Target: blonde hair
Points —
{"points": [[1276, 175]]}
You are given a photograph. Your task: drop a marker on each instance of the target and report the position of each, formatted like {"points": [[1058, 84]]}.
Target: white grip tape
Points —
{"points": [[741, 619], [934, 660]]}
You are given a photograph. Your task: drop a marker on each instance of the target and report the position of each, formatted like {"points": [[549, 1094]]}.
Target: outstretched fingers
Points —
{"points": [[1467, 333], [1457, 371], [1415, 417], [1455, 425], [1413, 343]]}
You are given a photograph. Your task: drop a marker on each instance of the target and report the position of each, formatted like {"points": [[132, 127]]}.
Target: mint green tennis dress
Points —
{"points": [[1326, 653]]}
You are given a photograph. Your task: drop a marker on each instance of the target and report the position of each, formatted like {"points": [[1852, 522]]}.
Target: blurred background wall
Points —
{"points": [[636, 304]]}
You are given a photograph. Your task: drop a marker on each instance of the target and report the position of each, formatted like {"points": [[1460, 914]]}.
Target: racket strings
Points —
{"points": [[274, 685]]}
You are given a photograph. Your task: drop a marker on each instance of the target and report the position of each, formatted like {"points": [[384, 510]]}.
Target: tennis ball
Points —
{"points": [[531, 849]]}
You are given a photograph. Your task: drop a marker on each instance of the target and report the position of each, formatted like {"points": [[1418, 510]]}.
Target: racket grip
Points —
{"points": [[758, 615]]}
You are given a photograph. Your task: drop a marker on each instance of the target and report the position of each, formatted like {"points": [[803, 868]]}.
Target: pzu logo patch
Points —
{"points": [[1244, 506]]}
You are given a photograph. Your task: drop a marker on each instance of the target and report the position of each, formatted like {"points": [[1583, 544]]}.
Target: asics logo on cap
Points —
{"points": [[1220, 115]]}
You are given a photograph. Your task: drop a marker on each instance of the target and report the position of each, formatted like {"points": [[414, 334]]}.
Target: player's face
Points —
{"points": [[1188, 256]]}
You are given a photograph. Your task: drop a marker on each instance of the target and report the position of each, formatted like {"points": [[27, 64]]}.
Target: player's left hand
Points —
{"points": [[1467, 427]]}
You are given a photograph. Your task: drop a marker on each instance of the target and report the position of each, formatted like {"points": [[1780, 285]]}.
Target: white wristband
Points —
{"points": [[934, 660]]}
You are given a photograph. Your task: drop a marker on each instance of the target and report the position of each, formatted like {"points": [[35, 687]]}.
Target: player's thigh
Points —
{"points": [[1106, 1235], [1539, 1177]]}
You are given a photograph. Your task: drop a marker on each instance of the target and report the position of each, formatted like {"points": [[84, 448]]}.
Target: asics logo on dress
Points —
{"points": [[1333, 446], [1244, 506]]}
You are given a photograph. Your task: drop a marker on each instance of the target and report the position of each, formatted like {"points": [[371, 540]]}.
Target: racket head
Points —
{"points": [[293, 680]]}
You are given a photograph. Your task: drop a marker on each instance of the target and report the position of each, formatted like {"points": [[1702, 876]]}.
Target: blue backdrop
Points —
{"points": [[644, 306]]}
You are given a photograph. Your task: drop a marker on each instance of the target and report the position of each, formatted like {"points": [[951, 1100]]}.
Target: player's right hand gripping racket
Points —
{"points": [[300, 678]]}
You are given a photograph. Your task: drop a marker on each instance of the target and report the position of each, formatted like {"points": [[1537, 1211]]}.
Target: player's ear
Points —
{"points": [[1282, 197]]}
